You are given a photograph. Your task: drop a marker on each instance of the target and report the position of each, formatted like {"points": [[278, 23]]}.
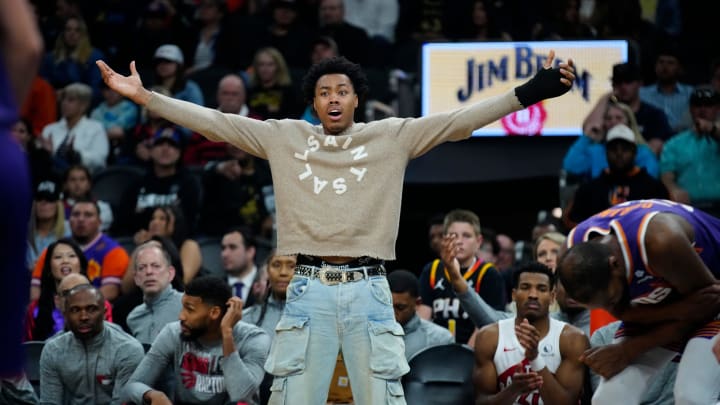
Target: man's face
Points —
{"points": [[667, 68], [72, 106], [435, 237], [404, 306], [331, 12], [235, 256], [84, 222], [152, 271], [231, 95], [194, 317], [165, 153], [533, 295], [335, 102], [506, 255], [614, 299], [84, 313], [77, 184], [627, 91], [467, 240], [280, 271], [706, 112], [620, 156]]}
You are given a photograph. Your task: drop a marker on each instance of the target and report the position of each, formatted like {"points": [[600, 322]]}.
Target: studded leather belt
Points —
{"points": [[329, 275]]}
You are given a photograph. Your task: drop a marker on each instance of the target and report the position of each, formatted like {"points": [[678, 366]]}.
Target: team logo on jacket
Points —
{"points": [[339, 185]]}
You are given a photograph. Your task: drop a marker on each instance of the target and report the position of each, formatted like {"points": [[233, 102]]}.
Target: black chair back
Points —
{"points": [[440, 375]]}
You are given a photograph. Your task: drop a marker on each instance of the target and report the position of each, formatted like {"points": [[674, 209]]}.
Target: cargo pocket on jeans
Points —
{"points": [[395, 393], [278, 396], [296, 288], [387, 357], [287, 354]]}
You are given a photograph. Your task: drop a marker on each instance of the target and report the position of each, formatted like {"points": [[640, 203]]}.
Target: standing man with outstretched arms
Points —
{"points": [[338, 192]]}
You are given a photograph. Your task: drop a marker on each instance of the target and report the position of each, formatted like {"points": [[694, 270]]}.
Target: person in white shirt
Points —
{"points": [[532, 358], [77, 138]]}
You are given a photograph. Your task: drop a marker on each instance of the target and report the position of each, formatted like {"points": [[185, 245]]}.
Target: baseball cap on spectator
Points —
{"points": [[704, 96], [169, 52], [47, 190], [620, 132], [169, 135], [625, 72]]}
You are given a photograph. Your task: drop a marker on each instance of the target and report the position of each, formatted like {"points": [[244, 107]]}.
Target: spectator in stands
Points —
{"points": [[435, 232], [287, 33], [119, 117], [224, 356], [266, 312], [47, 221], [107, 260], [77, 185], [587, 157], [231, 99], [238, 256], [352, 41], [506, 256], [690, 166], [483, 26], [73, 59], [439, 302], [170, 73], [137, 149], [621, 181], [668, 93], [168, 221], [419, 333], [77, 138], [37, 150], [132, 296], [166, 182], [651, 121], [44, 316], [563, 23], [378, 18], [153, 274], [547, 248], [271, 94], [233, 194], [91, 344], [208, 35], [40, 106]]}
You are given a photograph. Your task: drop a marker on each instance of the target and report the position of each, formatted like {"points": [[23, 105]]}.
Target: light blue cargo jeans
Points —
{"points": [[318, 321]]}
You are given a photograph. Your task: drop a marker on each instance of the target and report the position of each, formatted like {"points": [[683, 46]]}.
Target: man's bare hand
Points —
{"points": [[607, 360], [529, 338], [233, 314], [127, 86]]}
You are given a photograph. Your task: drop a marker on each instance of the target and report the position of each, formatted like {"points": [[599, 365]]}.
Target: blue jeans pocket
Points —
{"points": [[387, 357], [278, 394], [297, 288], [381, 290], [288, 351], [395, 393]]}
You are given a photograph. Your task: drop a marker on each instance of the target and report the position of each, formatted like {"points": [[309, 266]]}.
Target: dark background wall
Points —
{"points": [[505, 180]]}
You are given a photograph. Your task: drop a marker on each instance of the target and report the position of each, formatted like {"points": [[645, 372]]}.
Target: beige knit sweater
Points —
{"points": [[337, 195]]}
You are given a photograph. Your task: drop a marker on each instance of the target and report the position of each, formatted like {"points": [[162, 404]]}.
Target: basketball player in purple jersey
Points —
{"points": [[20, 51], [655, 265]]}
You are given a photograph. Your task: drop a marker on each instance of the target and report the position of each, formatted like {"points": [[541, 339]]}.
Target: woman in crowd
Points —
{"points": [[586, 157], [266, 313], [47, 221], [44, 319], [168, 221], [73, 59], [77, 185], [271, 94]]}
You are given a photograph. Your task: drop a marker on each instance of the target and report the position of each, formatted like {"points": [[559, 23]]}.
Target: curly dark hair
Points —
{"points": [[333, 65], [212, 290]]}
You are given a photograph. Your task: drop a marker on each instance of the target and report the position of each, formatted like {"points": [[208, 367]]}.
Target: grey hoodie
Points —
{"points": [[73, 371]]}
